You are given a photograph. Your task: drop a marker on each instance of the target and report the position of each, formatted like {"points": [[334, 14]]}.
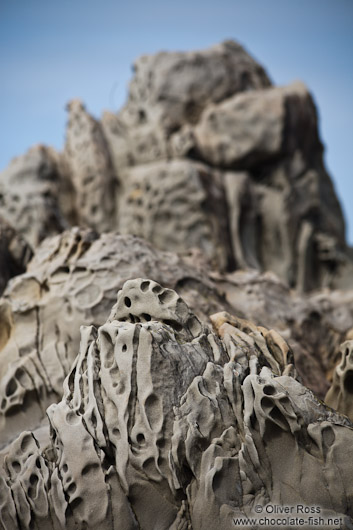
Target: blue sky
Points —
{"points": [[53, 51]]}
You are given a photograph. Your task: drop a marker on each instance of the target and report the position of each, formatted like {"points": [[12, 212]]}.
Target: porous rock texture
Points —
{"points": [[29, 190], [206, 154], [15, 253], [196, 394], [72, 280], [340, 394], [166, 424]]}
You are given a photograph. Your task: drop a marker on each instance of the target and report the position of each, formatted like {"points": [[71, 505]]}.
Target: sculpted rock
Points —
{"points": [[172, 88], [29, 189], [205, 154], [254, 127], [177, 205], [72, 280], [314, 325], [340, 395], [91, 171], [14, 254], [276, 200], [134, 445]]}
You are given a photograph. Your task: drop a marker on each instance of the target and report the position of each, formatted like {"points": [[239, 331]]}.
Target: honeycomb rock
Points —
{"points": [[177, 205], [72, 280], [164, 427], [340, 393], [29, 189]]}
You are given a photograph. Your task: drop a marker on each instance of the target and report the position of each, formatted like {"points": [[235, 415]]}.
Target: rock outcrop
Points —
{"points": [[205, 154], [29, 190], [166, 424], [15, 253], [71, 281], [193, 399]]}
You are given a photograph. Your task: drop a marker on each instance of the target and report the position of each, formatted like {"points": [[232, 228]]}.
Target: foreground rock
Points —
{"points": [[72, 281], [134, 445]]}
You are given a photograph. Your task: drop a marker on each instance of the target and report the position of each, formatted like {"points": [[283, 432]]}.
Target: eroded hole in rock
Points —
{"points": [[153, 408], [173, 324], [25, 443], [328, 436], [166, 296], [145, 286], [127, 301], [90, 468], [140, 438], [269, 390], [16, 466], [72, 488], [11, 387], [22, 377], [33, 479], [348, 381], [278, 418], [76, 503]]}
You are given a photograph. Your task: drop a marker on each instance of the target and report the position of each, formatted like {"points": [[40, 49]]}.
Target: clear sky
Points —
{"points": [[53, 51]]}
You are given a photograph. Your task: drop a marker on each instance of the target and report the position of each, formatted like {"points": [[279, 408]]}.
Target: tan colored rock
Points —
{"points": [[176, 205], [14, 254], [91, 170], [134, 445], [72, 281], [340, 394], [313, 325], [171, 88], [29, 189]]}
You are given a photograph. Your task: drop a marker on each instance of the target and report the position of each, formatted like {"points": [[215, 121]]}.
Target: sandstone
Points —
{"points": [[131, 446], [171, 375], [90, 168], [29, 195], [71, 281], [15, 253], [174, 87], [177, 205]]}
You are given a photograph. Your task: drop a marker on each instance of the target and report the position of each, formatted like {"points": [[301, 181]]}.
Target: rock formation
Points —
{"points": [[193, 397], [29, 190], [15, 253], [166, 424], [205, 154]]}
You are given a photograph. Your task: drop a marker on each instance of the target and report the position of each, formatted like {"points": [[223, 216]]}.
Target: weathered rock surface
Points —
{"points": [[92, 174], [340, 395], [180, 411], [178, 205], [134, 445], [72, 281], [29, 190], [173, 88], [206, 153], [14, 254]]}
